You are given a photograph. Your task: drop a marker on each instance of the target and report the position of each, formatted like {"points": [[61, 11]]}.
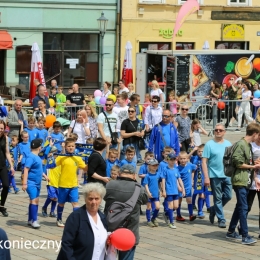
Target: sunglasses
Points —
{"points": [[219, 130], [166, 116], [154, 101], [185, 109], [108, 105], [131, 111]]}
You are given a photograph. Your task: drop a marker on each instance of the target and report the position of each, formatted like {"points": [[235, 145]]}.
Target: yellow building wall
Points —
{"points": [[146, 27]]}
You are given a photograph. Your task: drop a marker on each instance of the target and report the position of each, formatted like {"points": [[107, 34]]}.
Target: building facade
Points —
{"points": [[67, 33], [225, 24]]}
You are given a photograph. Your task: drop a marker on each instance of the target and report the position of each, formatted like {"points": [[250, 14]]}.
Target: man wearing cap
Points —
{"points": [[164, 134], [121, 190], [15, 117]]}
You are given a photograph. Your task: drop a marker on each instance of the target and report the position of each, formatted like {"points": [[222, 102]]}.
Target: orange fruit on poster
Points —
{"points": [[256, 64]]}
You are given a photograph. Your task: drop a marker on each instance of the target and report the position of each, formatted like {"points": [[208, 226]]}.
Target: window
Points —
{"points": [[240, 2], [232, 45], [152, 1], [180, 2], [149, 46], [184, 45]]}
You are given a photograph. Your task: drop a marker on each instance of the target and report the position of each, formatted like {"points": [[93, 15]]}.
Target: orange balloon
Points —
{"points": [[50, 119], [221, 105]]}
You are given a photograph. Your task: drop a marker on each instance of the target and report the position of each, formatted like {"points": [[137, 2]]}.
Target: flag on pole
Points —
{"points": [[127, 73]]}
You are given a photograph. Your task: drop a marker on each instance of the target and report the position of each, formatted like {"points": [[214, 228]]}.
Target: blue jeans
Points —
{"points": [[240, 211], [222, 193], [126, 255]]}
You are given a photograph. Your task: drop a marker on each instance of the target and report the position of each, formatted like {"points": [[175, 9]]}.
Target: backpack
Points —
{"points": [[229, 167], [119, 212]]}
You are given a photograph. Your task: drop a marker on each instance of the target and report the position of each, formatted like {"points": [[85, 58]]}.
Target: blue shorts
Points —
{"points": [[68, 195], [153, 199], [33, 191], [52, 192], [188, 193], [172, 197]]}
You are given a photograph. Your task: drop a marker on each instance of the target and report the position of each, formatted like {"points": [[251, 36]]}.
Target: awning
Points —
{"points": [[6, 42]]}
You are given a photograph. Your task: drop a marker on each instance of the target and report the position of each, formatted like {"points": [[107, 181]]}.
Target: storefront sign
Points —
{"points": [[72, 63], [168, 33], [231, 32]]}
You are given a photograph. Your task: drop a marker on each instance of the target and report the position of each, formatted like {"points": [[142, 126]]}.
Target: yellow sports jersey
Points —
{"points": [[69, 165], [54, 176]]}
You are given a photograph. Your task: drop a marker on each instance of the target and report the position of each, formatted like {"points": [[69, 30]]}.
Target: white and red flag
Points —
{"points": [[127, 73]]}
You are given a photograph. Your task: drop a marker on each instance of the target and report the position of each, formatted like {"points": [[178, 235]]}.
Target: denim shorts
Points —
{"points": [[68, 195], [172, 197], [238, 103]]}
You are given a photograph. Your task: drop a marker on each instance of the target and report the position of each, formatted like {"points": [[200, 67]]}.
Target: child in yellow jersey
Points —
{"points": [[68, 181]]}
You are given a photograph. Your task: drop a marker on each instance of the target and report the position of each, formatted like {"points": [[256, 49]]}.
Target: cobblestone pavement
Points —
{"points": [[191, 240]]}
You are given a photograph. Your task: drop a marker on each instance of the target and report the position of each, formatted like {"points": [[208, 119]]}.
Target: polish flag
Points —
{"points": [[127, 73]]}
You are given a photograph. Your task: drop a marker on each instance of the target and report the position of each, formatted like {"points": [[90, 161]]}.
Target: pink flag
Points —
{"points": [[187, 8]]}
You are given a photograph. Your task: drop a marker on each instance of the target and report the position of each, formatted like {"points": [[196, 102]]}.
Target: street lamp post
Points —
{"points": [[102, 30]]}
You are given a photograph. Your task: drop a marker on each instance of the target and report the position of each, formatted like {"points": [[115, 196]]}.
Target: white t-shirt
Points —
{"points": [[100, 238], [106, 94], [125, 89], [156, 92], [256, 155], [80, 131], [112, 118], [196, 138], [122, 113], [246, 94]]}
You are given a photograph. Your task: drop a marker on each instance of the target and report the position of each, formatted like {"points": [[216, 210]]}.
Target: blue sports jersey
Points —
{"points": [[125, 161], [43, 134], [162, 165], [152, 180], [33, 133], [58, 138], [110, 165], [171, 176], [34, 163], [24, 150], [143, 170], [14, 153], [186, 174]]}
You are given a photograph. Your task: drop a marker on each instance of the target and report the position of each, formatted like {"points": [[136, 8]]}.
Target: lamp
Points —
{"points": [[102, 20]]}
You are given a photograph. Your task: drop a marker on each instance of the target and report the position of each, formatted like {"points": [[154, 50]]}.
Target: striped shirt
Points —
{"points": [[153, 116]]}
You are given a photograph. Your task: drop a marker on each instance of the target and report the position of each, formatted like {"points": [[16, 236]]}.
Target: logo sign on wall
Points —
{"points": [[233, 32]]}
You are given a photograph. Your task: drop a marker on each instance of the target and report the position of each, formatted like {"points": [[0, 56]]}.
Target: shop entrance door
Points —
{"points": [[2, 70]]}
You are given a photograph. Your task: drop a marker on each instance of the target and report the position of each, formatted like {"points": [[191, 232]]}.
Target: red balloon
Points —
{"points": [[50, 119], [122, 239], [221, 105]]}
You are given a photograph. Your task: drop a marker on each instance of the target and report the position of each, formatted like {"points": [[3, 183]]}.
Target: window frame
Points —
{"points": [[152, 1], [181, 2], [248, 3]]}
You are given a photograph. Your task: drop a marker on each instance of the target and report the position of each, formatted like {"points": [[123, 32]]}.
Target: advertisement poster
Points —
{"points": [[170, 81]]}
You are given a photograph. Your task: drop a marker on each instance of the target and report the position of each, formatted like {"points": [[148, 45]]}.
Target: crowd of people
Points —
{"points": [[102, 152]]}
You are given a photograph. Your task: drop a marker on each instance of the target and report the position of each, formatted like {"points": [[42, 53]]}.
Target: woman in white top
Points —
{"points": [[245, 105], [85, 233], [80, 126], [106, 92], [156, 91]]}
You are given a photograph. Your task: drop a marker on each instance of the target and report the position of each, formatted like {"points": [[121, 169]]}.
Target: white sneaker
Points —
{"points": [[35, 224], [60, 223], [29, 223]]}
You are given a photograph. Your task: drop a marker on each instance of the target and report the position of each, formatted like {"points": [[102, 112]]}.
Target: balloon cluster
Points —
{"points": [[256, 99], [102, 100]]}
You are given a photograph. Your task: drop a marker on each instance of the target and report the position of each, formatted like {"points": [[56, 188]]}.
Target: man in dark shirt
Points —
{"points": [[75, 98], [41, 95]]}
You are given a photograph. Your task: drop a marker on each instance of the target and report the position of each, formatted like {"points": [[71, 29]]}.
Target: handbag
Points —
{"points": [[140, 142], [114, 135]]}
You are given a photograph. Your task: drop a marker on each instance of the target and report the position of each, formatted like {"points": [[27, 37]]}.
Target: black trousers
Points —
{"points": [[5, 184], [185, 145], [250, 200]]}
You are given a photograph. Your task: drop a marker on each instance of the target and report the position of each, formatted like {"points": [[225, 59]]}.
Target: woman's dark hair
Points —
{"points": [[108, 84], [156, 97], [2, 122], [99, 144], [42, 100], [247, 84], [217, 85]]}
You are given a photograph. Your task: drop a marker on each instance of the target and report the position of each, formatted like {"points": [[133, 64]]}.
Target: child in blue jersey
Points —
{"points": [[186, 170], [42, 132], [144, 168], [32, 180], [151, 184], [199, 188], [57, 136], [129, 156], [14, 156], [31, 130], [24, 148], [114, 172], [171, 186], [112, 159]]}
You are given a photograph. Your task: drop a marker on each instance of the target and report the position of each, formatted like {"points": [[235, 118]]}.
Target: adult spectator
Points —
{"points": [[54, 83], [4, 178], [5, 248], [42, 111], [41, 95], [232, 95], [153, 114], [134, 102], [214, 176], [85, 232], [92, 120], [122, 87], [183, 125], [131, 89], [80, 126], [121, 110], [106, 92], [242, 181], [156, 91], [164, 134], [75, 98], [121, 190], [131, 132], [14, 116]]}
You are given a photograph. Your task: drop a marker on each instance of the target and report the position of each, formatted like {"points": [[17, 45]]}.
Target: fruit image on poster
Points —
{"points": [[199, 76]]}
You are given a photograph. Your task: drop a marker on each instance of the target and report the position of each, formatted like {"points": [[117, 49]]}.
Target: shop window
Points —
{"points": [[52, 41], [239, 2], [149, 46], [232, 45], [23, 59], [184, 45]]}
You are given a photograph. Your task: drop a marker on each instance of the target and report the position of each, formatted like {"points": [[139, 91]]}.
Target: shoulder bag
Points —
{"points": [[114, 135]]}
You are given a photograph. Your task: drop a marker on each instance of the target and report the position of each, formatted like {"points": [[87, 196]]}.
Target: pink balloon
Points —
{"points": [[256, 102], [97, 93], [102, 100]]}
